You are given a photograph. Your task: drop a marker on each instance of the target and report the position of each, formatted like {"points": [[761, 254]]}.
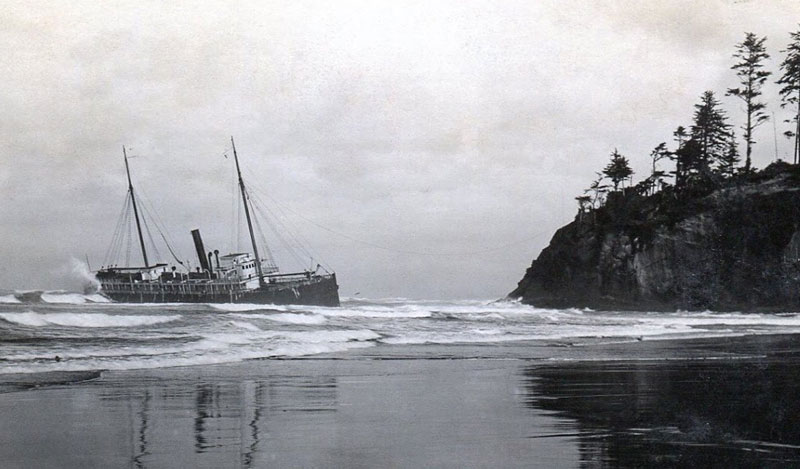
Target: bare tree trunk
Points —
{"points": [[749, 138]]}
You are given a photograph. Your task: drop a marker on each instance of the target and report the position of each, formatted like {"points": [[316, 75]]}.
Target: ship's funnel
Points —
{"points": [[201, 251]]}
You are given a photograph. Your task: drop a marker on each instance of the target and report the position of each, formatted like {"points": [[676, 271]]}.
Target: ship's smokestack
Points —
{"points": [[201, 251]]}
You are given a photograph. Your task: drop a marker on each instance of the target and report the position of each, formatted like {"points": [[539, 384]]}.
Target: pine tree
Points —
{"points": [[690, 159], [790, 93], [659, 153], [598, 191], [680, 136], [729, 160], [751, 52], [618, 169], [710, 130]]}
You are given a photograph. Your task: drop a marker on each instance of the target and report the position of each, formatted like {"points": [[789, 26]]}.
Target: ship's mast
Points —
{"points": [[247, 215], [135, 211]]}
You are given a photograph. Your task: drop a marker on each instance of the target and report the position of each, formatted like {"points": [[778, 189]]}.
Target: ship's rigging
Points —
{"points": [[237, 277], [139, 228]]}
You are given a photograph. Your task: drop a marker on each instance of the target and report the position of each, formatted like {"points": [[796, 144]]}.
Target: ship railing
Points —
{"points": [[203, 286], [293, 277], [183, 288]]}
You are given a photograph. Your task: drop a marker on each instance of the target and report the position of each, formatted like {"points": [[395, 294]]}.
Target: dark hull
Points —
{"points": [[317, 292]]}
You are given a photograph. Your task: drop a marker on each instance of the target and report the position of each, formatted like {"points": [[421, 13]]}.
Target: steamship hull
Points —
{"points": [[321, 290]]}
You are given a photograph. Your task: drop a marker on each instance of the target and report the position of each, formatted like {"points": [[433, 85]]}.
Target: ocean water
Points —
{"points": [[65, 331]]}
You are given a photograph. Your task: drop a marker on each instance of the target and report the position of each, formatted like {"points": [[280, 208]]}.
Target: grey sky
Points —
{"points": [[459, 131]]}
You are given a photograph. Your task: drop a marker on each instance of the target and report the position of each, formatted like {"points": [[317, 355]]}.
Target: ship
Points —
{"points": [[237, 277]]}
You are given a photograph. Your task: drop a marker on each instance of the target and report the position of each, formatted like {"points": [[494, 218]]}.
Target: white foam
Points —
{"points": [[246, 307], [289, 318], [34, 319], [163, 361], [374, 312], [323, 336], [235, 332], [64, 298], [96, 298], [473, 310], [246, 325], [8, 299], [211, 349]]}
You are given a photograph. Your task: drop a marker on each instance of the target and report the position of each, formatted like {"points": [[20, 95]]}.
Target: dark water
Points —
{"points": [[678, 414]]}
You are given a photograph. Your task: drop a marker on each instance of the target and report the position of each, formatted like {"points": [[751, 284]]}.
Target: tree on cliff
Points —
{"points": [[656, 177], [751, 52], [790, 93], [584, 204], [689, 158], [729, 160], [680, 136], [618, 169], [597, 190], [710, 130]]}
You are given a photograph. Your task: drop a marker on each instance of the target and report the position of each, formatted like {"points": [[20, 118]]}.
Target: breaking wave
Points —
{"points": [[8, 299], [34, 319], [237, 307], [289, 318], [72, 327], [53, 297]]}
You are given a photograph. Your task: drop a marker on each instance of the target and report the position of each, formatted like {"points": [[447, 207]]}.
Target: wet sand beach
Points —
{"points": [[667, 403]]}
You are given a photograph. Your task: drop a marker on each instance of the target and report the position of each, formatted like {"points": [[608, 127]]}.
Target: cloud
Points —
{"points": [[454, 130]]}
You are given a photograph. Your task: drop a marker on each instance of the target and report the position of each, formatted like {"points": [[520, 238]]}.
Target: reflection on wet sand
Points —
{"points": [[695, 413], [734, 411], [227, 421]]}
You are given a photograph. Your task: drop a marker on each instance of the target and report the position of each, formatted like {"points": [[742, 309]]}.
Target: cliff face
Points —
{"points": [[736, 248]]}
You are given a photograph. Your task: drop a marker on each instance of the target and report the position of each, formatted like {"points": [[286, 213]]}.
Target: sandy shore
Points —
{"points": [[730, 402]]}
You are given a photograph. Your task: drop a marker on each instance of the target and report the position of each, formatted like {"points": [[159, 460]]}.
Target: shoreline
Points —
{"points": [[542, 352]]}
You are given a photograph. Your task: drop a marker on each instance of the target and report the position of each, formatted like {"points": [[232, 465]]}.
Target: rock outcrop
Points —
{"points": [[736, 247]]}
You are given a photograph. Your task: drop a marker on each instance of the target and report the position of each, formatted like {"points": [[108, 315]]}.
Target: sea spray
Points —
{"points": [[34, 319], [80, 270]]}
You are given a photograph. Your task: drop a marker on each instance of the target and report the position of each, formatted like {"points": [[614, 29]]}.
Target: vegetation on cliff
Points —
{"points": [[702, 230]]}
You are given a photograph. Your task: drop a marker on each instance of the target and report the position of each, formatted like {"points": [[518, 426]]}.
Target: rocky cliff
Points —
{"points": [[735, 247]]}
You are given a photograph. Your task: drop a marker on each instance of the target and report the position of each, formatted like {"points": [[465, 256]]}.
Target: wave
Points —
{"points": [[163, 361], [34, 319], [246, 342], [289, 318], [52, 296], [73, 298], [8, 299], [225, 333], [375, 312], [239, 307], [246, 325]]}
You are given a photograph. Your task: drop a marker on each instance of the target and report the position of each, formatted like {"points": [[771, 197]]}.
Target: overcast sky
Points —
{"points": [[432, 148]]}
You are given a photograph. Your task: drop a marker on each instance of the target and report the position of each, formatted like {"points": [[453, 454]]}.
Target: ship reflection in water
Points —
{"points": [[412, 412], [702, 413], [229, 421]]}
